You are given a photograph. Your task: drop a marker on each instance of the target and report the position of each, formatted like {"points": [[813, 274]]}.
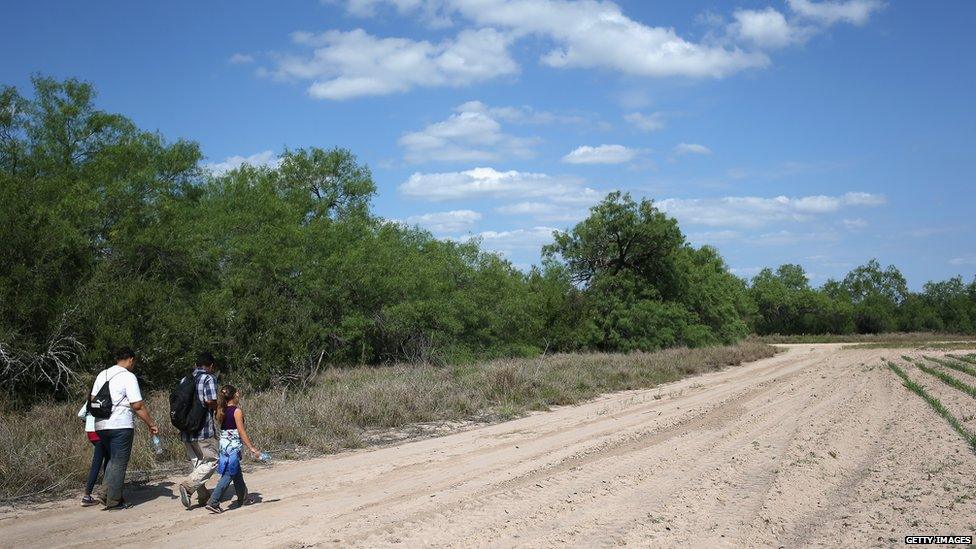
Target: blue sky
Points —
{"points": [[822, 133]]}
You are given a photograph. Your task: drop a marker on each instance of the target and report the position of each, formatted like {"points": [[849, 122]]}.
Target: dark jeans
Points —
{"points": [[224, 482], [117, 445], [98, 464]]}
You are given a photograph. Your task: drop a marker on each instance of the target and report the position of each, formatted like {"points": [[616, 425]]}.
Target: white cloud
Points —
{"points": [[745, 272], [862, 199], [469, 135], [601, 154], [445, 222], [241, 59], [505, 242], [788, 238], [646, 122], [856, 223], [963, 260], [829, 12], [766, 28], [434, 13], [690, 148], [596, 34], [751, 211], [707, 237], [549, 211], [263, 158], [593, 34], [491, 183], [344, 65], [525, 114]]}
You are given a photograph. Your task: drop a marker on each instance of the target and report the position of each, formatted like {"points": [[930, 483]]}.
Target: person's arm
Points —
{"points": [[239, 420], [134, 395], [210, 393], [140, 409]]}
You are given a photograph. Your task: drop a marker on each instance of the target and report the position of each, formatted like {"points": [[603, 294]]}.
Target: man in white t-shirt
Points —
{"points": [[115, 433]]}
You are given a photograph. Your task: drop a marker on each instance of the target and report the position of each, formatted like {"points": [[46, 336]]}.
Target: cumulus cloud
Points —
{"points": [[789, 238], [580, 34], [829, 12], [769, 28], [745, 272], [549, 211], [690, 148], [646, 122], [505, 242], [491, 183], [601, 154], [856, 223], [344, 65], [241, 59], [963, 260], [751, 211], [445, 222], [593, 34], [766, 28], [471, 134], [434, 13], [710, 237], [525, 114], [263, 158]]}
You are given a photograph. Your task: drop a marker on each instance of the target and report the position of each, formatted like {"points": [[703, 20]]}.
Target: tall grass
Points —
{"points": [[936, 405], [45, 450]]}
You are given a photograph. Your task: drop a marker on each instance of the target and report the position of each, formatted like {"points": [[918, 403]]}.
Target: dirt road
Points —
{"points": [[815, 446]]}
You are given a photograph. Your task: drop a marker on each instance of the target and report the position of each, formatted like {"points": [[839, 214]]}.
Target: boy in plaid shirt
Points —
{"points": [[201, 449]]}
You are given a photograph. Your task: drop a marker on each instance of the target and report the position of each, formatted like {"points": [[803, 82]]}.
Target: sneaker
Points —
{"points": [[242, 502], [122, 505], [214, 508], [185, 496], [87, 501]]}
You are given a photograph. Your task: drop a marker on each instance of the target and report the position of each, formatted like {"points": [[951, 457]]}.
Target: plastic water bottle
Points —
{"points": [[157, 445], [265, 457]]}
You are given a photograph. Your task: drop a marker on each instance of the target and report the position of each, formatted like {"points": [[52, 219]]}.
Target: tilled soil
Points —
{"points": [[817, 446]]}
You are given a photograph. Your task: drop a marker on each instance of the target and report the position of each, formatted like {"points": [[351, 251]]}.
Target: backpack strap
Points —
{"points": [[107, 379]]}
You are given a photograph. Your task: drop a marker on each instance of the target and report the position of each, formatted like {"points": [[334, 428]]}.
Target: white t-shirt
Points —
{"points": [[124, 388]]}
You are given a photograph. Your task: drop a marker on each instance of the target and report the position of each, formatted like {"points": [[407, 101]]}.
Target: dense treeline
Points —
{"points": [[869, 300], [112, 235]]}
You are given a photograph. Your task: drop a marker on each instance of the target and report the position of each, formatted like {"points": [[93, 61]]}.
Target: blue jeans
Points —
{"points": [[117, 445], [222, 485], [99, 464]]}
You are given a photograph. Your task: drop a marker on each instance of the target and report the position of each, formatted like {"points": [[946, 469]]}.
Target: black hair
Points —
{"points": [[206, 359], [124, 353]]}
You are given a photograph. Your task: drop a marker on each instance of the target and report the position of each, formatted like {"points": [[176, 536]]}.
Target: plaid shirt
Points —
{"points": [[206, 391]]}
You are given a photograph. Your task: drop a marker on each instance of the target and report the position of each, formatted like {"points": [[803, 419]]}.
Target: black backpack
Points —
{"points": [[100, 404], [186, 412]]}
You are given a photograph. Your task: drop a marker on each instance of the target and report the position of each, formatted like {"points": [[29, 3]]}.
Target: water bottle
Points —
{"points": [[157, 445], [265, 457]]}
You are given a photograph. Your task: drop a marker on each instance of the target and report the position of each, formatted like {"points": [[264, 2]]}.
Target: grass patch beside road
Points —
{"points": [[45, 450]]}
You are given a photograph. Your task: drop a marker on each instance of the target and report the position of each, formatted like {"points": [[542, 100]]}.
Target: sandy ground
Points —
{"points": [[817, 446]]}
